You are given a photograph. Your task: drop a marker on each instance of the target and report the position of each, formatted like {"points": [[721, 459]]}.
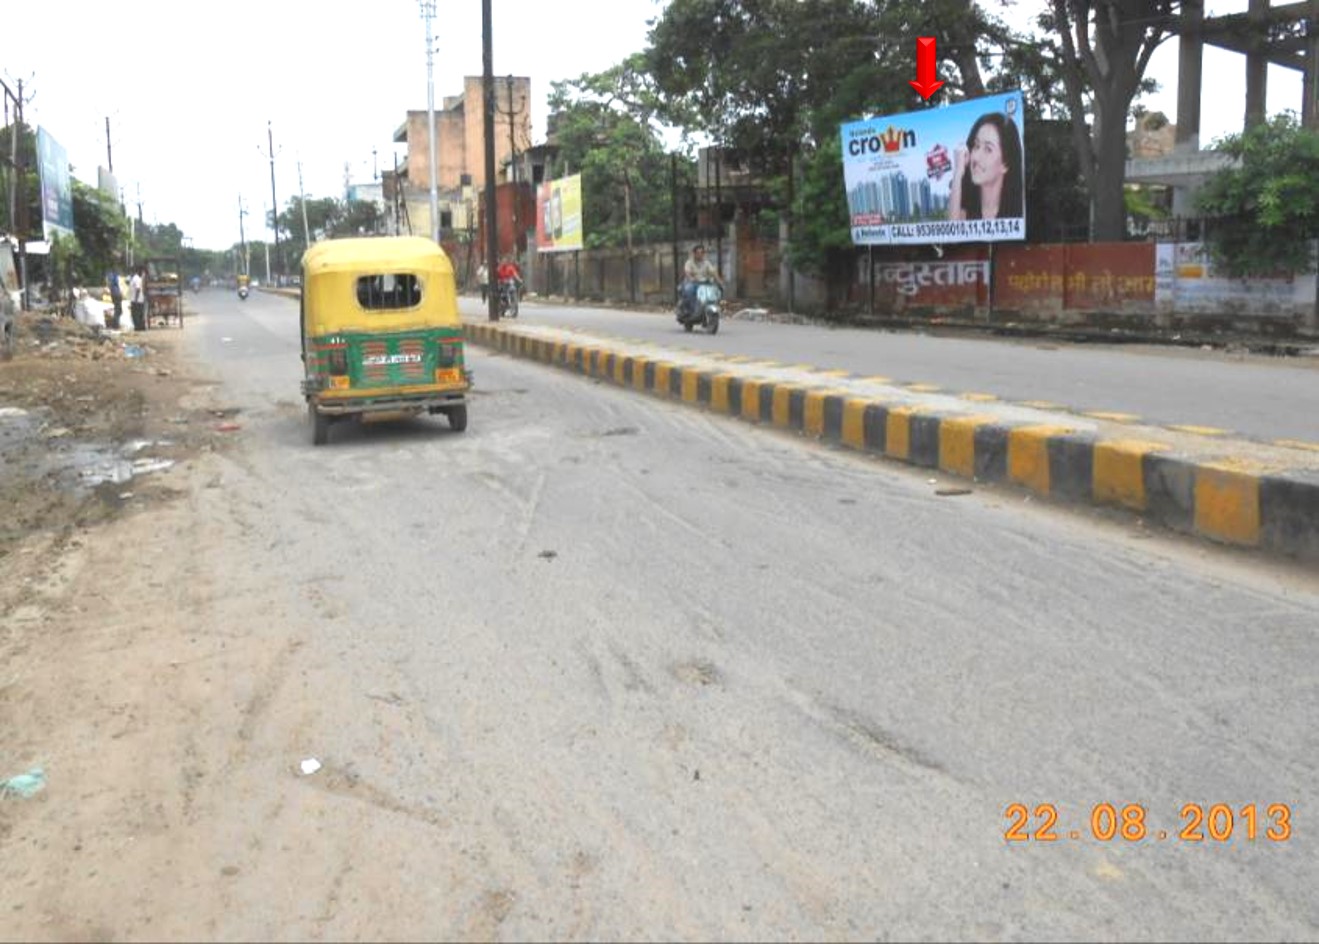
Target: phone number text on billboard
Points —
{"points": [[943, 231]]}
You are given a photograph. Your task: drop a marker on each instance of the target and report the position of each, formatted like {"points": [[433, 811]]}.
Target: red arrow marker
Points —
{"points": [[926, 68]]}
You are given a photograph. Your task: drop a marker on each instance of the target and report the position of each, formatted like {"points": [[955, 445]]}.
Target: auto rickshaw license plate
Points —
{"points": [[447, 375]]}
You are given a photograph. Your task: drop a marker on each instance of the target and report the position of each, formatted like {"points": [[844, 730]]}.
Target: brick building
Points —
{"points": [[460, 150]]}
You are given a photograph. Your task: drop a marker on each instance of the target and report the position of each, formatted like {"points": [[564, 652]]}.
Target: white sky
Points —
{"points": [[189, 87]]}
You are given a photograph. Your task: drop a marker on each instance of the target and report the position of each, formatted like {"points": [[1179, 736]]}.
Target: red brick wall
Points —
{"points": [[507, 196]]}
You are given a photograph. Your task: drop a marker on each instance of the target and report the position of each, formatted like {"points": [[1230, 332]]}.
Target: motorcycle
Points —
{"points": [[508, 298], [242, 293], [709, 303]]}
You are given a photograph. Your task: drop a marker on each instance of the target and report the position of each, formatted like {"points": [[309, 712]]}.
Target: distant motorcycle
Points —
{"points": [[508, 298], [705, 312], [242, 292]]}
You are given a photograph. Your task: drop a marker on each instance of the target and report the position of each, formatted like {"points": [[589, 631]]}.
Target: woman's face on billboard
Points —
{"points": [[987, 165]]}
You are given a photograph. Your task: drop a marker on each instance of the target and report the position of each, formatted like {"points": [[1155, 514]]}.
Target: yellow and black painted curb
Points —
{"points": [[1229, 501]]}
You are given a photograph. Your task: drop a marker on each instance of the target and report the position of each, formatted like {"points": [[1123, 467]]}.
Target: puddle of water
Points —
{"points": [[87, 465], [73, 464]]}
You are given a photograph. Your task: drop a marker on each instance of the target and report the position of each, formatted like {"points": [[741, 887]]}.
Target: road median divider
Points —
{"points": [[1231, 491]]}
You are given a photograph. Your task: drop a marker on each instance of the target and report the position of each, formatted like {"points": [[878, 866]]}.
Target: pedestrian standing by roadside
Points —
{"points": [[483, 279], [116, 297], [137, 299]]}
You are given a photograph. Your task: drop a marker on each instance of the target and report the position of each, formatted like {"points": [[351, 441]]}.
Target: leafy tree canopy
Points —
{"points": [[1266, 209], [102, 232], [1101, 49], [327, 218], [606, 129], [27, 156]]}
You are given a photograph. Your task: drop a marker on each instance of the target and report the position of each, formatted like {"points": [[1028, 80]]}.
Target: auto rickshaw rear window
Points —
{"points": [[390, 291]]}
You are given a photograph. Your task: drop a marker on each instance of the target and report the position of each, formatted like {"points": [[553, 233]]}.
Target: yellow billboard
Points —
{"points": [[559, 215]]}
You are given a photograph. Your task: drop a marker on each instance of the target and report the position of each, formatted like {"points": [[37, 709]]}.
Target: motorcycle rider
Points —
{"points": [[696, 270], [509, 272]]}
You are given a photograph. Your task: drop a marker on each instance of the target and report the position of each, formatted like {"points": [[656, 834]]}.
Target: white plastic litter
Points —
{"points": [[310, 766]]}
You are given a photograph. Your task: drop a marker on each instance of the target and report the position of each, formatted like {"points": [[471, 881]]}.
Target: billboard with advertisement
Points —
{"points": [[56, 187], [954, 174], [559, 215]]}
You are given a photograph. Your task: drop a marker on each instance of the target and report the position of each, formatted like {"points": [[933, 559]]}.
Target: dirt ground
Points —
{"points": [[80, 417], [100, 441]]}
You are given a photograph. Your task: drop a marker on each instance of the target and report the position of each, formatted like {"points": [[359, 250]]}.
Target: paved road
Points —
{"points": [[1257, 397], [603, 667]]}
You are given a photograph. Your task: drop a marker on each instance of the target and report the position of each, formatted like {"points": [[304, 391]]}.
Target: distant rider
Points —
{"points": [[509, 272], [697, 269]]}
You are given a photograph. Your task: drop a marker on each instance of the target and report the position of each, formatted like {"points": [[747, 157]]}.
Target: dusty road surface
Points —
{"points": [[1256, 396], [603, 668]]}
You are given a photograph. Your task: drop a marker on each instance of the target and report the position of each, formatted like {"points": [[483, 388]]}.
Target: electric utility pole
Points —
{"points": [[18, 190], [109, 154], [274, 202], [428, 13], [491, 211], [242, 235], [513, 167], [302, 199], [266, 243]]}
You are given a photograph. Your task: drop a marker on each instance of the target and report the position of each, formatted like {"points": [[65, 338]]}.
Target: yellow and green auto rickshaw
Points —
{"points": [[381, 332]]}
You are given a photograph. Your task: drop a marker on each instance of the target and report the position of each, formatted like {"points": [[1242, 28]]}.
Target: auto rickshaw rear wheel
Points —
{"points": [[457, 417], [320, 426]]}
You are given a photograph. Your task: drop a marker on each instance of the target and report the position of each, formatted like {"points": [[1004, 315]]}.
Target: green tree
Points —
{"points": [[763, 78], [1101, 49], [102, 233], [160, 239], [750, 72], [359, 217], [605, 128], [1057, 202], [64, 263], [1265, 207], [327, 218], [822, 240], [27, 157]]}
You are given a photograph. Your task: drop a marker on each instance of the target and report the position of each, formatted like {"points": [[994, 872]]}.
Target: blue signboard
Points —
{"points": [[56, 186]]}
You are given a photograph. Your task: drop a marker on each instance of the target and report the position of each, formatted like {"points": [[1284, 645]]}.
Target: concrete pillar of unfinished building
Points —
{"points": [[1257, 68], [1310, 88], [1190, 67]]}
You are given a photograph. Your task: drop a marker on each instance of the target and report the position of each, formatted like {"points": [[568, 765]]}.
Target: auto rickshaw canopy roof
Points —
{"points": [[374, 254], [336, 282]]}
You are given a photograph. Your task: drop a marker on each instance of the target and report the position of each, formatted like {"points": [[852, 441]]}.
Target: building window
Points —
{"points": [[446, 219], [388, 292]]}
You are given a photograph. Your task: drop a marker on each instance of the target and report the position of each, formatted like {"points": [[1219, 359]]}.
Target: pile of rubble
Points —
{"points": [[55, 338]]}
